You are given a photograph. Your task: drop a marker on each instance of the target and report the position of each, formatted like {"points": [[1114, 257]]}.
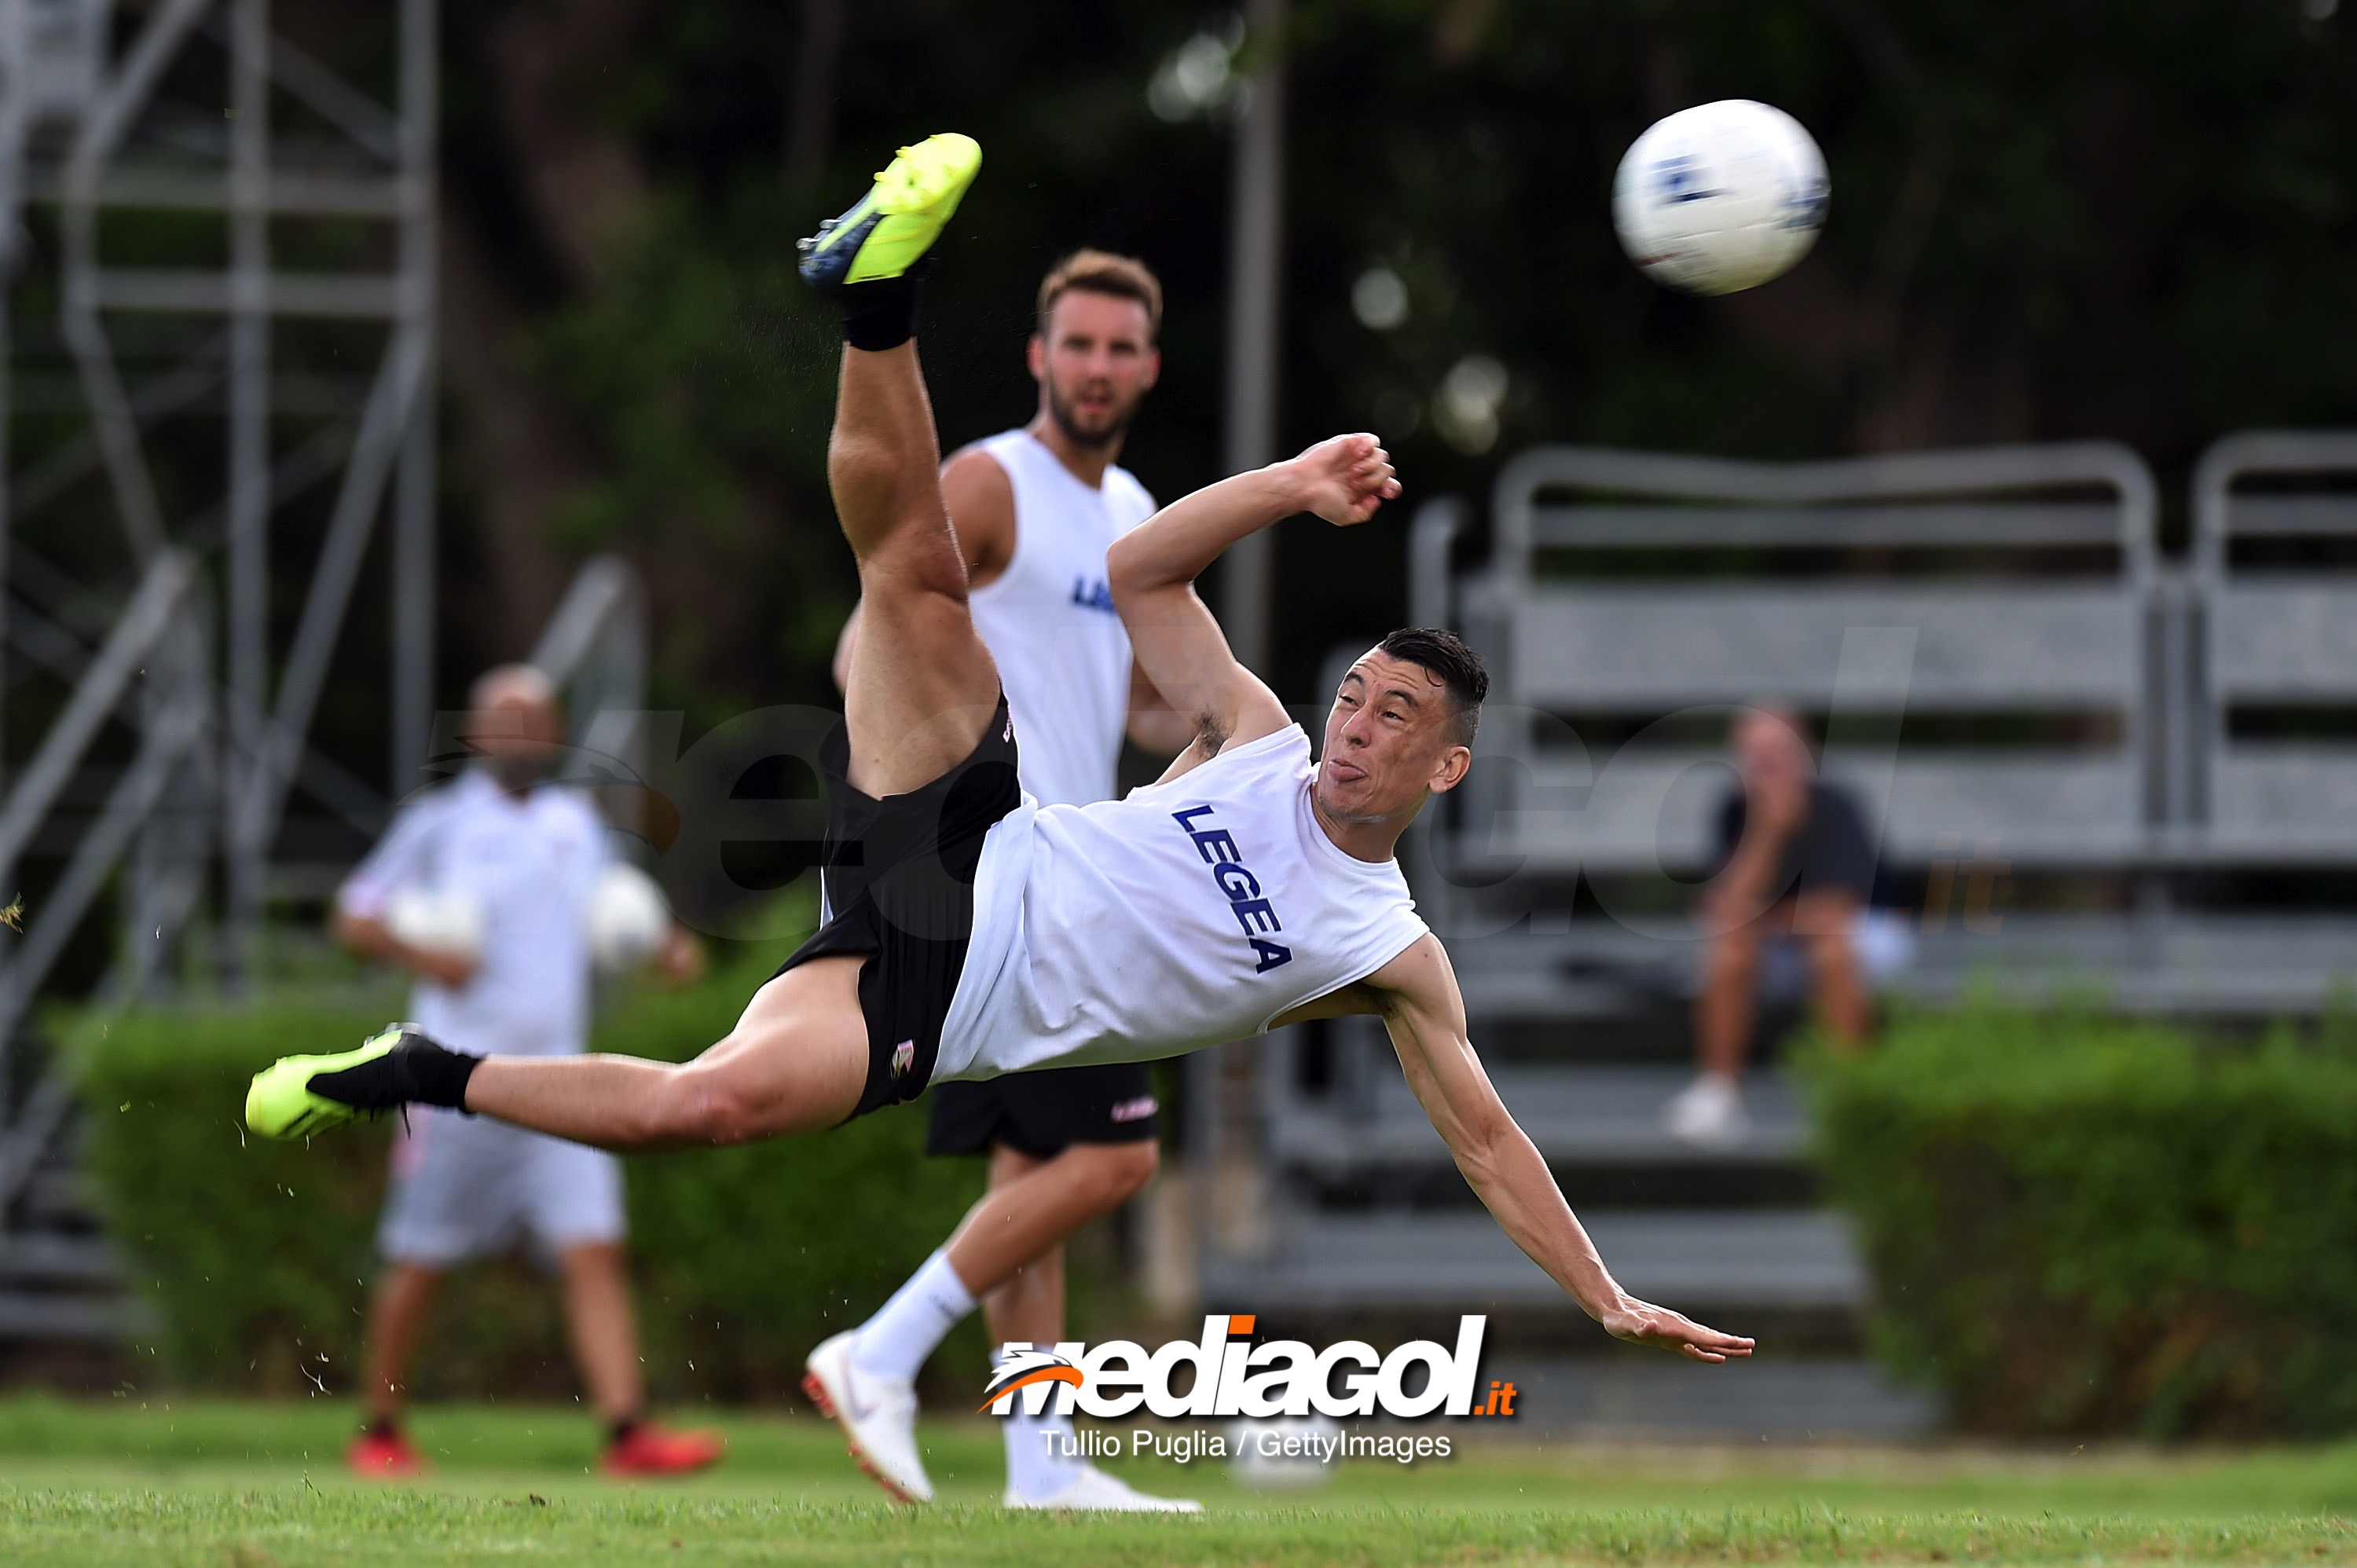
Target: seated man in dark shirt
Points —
{"points": [[1794, 862]]}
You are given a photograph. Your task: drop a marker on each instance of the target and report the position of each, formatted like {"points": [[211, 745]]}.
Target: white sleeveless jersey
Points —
{"points": [[1183, 915], [1049, 620]]}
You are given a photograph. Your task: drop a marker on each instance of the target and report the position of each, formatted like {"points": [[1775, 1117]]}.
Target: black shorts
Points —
{"points": [[1044, 1113], [899, 873]]}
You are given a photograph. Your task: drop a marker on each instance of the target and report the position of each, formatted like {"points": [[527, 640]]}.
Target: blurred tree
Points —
{"points": [[2109, 219]]}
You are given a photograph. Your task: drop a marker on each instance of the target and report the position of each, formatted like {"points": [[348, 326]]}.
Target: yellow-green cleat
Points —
{"points": [[281, 1103], [892, 228]]}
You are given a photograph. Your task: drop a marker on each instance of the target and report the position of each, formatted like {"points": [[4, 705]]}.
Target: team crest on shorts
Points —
{"points": [[904, 1057]]}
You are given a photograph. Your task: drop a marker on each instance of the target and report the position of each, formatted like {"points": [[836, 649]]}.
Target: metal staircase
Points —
{"points": [[1332, 1206], [60, 1279], [1362, 1207]]}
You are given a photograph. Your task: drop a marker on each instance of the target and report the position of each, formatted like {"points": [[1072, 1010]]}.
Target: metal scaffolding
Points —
{"points": [[95, 111], [188, 171]]}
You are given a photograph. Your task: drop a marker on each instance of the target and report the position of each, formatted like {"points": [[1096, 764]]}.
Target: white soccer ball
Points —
{"points": [[627, 920], [1284, 1453], [437, 920], [1721, 196]]}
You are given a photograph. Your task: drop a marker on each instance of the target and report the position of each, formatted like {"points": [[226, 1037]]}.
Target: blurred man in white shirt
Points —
{"points": [[522, 856]]}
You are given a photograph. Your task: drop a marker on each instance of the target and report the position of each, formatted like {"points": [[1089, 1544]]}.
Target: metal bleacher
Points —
{"points": [[2007, 591], [2280, 635], [2047, 724]]}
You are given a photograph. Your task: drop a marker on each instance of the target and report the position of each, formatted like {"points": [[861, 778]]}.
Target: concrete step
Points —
{"points": [[2207, 962], [1576, 1115], [35, 1315], [46, 1258], [1632, 1394], [1704, 1260], [55, 1197]]}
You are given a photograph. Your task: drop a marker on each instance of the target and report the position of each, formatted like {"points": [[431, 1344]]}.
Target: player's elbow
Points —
{"points": [[1130, 572], [1120, 565]]}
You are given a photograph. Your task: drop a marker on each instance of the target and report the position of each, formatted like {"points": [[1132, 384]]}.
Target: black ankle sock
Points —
{"points": [[438, 1076], [880, 314], [620, 1430], [381, 1426], [415, 1072]]}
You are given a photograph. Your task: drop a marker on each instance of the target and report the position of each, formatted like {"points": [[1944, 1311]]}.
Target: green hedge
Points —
{"points": [[258, 1255], [254, 1252], [2081, 1225]]}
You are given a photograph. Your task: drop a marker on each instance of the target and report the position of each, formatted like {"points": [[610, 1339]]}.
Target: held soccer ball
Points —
{"points": [[435, 920], [1721, 196], [628, 918]]}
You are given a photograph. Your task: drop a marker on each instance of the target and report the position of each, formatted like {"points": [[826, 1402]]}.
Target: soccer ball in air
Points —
{"points": [[628, 918], [1721, 196]]}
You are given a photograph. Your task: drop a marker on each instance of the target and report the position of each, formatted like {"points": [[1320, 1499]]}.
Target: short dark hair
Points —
{"points": [[1447, 655], [1102, 271]]}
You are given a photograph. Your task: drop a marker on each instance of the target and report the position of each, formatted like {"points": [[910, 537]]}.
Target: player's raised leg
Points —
{"points": [[921, 686]]}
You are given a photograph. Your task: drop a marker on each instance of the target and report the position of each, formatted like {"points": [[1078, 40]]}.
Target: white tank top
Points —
{"points": [[1178, 916], [1049, 620]]}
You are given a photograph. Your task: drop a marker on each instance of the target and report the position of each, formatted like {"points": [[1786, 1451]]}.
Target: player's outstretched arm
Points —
{"points": [[1417, 997], [1180, 649]]}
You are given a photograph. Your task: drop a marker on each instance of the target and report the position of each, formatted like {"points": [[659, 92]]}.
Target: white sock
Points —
{"points": [[895, 1342], [1041, 1456]]}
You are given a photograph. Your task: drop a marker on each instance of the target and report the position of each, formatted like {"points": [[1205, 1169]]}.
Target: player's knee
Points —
{"points": [[599, 1259], [1125, 1169], [1733, 954], [1831, 955]]}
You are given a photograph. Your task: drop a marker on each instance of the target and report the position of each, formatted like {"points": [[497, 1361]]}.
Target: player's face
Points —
{"points": [[519, 733], [1389, 741], [1094, 364]]}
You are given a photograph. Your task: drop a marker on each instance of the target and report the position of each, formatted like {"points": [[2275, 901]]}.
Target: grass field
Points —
{"points": [[244, 1484]]}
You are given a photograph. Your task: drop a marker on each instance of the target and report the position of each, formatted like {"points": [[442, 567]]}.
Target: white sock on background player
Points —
{"points": [[895, 1342], [1037, 1468]]}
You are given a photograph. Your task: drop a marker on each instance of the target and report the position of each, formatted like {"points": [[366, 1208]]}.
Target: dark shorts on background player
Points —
{"points": [[900, 883], [1043, 1113]]}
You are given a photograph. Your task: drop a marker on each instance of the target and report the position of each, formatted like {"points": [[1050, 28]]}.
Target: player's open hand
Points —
{"points": [[1642, 1323], [1344, 479]]}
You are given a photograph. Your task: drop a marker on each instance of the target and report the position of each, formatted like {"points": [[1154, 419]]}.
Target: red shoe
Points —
{"points": [[384, 1455], [651, 1448]]}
